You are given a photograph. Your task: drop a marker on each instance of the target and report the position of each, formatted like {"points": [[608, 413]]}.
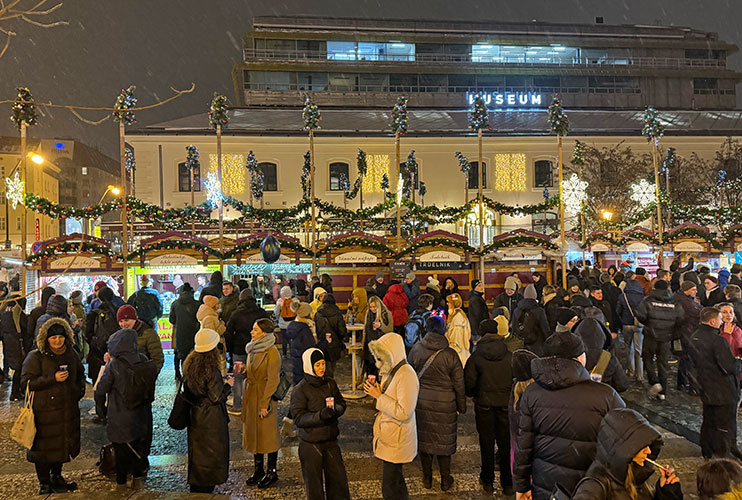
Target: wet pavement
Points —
{"points": [[166, 478]]}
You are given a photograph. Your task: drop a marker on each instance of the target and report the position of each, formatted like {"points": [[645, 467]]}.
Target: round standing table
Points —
{"points": [[354, 347]]}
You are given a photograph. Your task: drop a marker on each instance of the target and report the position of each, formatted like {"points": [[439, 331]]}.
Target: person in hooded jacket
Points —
{"points": [[396, 301], [357, 307], [16, 341], [602, 365], [318, 294], [661, 316], [54, 373], [631, 329], [559, 418], [56, 307], [621, 470], [303, 334], [489, 379], [331, 332], [285, 315], [128, 428], [395, 428], [100, 324], [183, 318], [458, 329], [378, 322], [529, 321], [478, 310], [237, 336], [214, 288], [316, 404], [441, 398], [208, 317], [40, 310], [411, 289]]}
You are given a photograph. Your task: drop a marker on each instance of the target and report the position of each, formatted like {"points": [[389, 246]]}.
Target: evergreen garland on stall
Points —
{"points": [[122, 108], [73, 248], [24, 109], [218, 111], [174, 245]]}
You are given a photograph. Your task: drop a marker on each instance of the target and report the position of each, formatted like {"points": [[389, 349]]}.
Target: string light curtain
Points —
{"points": [[233, 172], [510, 172], [378, 165]]}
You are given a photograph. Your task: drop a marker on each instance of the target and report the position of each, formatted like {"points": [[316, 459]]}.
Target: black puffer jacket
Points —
{"points": [[315, 421], [660, 315], [39, 310], [329, 319], [214, 287], [597, 339], [623, 433], [442, 394], [488, 373], [605, 308], [529, 323], [56, 404], [611, 294], [717, 369], [241, 322], [692, 314], [183, 317], [55, 308], [13, 330], [478, 312], [560, 414]]}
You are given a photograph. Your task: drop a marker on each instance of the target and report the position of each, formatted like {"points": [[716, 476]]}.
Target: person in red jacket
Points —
{"points": [[729, 330], [396, 301]]}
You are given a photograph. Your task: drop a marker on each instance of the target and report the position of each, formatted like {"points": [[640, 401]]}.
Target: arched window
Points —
{"points": [[474, 175], [337, 169], [270, 175], [184, 178], [542, 173]]}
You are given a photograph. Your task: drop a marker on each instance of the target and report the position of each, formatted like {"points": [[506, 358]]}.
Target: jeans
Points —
{"points": [[44, 472], [127, 460], [320, 460], [492, 426], [239, 380], [719, 432], [656, 369], [633, 338], [393, 486]]}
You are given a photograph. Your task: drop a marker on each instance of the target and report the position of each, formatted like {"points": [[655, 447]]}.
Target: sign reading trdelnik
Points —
{"points": [[507, 99]]}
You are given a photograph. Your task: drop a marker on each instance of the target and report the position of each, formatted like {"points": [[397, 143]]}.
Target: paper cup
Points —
{"points": [[330, 402], [372, 379]]}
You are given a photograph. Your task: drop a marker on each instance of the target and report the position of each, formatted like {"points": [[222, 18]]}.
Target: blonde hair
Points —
{"points": [[629, 484], [518, 390]]}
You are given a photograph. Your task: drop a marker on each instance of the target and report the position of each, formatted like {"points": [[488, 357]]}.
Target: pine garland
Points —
{"points": [[123, 105], [218, 111], [557, 118], [464, 164], [174, 245], [399, 116], [192, 162], [653, 129], [24, 109], [70, 247], [479, 115], [306, 171], [311, 114]]}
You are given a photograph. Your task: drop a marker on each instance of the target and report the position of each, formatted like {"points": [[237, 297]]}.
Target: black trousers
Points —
{"points": [[686, 370], [493, 427], [176, 365], [393, 485], [127, 460], [656, 369], [15, 387], [323, 459], [719, 432], [196, 488], [94, 365], [272, 460], [444, 464], [285, 343], [44, 472]]}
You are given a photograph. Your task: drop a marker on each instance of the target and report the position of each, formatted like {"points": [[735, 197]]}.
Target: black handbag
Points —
{"points": [[107, 460], [284, 384], [180, 414]]}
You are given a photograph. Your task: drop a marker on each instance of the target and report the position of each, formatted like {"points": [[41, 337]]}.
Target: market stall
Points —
{"points": [[640, 249], [693, 240]]}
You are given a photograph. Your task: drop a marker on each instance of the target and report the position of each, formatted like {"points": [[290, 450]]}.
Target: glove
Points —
{"points": [[327, 413]]}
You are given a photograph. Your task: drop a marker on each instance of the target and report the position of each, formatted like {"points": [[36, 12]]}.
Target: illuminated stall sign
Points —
{"points": [[507, 99]]}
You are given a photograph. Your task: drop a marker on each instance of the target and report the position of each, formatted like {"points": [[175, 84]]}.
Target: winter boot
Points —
{"points": [[259, 473], [269, 479], [58, 482]]}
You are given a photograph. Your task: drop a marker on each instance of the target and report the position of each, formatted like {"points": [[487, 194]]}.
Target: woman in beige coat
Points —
{"points": [[208, 317], [395, 429], [458, 330], [259, 417]]}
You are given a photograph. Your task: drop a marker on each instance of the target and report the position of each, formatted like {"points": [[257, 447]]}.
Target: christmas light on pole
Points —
{"points": [[643, 193], [15, 190], [311, 117], [400, 188], [559, 124], [213, 190], [574, 194], [653, 130]]}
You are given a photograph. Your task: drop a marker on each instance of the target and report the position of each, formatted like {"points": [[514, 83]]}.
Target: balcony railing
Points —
{"points": [[652, 62], [440, 89]]}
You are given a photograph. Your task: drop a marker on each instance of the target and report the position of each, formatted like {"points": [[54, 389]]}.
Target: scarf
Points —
{"points": [[309, 323], [261, 345]]}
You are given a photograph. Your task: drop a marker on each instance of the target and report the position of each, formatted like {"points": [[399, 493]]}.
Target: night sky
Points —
{"points": [[156, 44]]}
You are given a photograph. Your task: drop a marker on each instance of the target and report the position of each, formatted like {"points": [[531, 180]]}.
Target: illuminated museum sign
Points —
{"points": [[507, 99]]}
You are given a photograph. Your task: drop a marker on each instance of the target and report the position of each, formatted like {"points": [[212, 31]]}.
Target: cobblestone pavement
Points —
{"points": [[167, 476]]}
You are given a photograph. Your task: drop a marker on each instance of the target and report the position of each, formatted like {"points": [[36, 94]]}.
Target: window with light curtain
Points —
{"points": [[510, 172]]}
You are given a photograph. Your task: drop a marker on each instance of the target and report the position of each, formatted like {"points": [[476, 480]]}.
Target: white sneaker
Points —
{"points": [[230, 401], [655, 389]]}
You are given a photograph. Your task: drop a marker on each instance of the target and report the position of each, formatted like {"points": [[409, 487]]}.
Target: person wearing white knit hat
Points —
{"points": [[206, 340]]}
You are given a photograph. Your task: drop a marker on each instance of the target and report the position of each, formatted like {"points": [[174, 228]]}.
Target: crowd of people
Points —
{"points": [[544, 367]]}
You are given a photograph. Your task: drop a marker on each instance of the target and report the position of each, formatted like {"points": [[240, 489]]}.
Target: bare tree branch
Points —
{"points": [[11, 11]]}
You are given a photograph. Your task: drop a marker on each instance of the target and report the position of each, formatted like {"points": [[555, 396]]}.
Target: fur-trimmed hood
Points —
{"points": [[388, 351], [41, 342]]}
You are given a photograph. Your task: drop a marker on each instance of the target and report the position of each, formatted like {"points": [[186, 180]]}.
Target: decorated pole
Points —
{"points": [[399, 128], [668, 162], [130, 169], [578, 161], [653, 130], [252, 169], [311, 116], [465, 167], [218, 120], [560, 126], [478, 120], [582, 225], [192, 163], [362, 169], [122, 113]]}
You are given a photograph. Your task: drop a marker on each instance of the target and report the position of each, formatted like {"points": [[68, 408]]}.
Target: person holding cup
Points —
{"points": [[316, 405], [378, 322]]}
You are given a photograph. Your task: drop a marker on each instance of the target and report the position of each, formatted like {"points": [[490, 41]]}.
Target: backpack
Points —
{"points": [[139, 384], [414, 329], [146, 304], [526, 327], [105, 326]]}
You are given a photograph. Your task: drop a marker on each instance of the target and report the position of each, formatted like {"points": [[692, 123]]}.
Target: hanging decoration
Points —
{"points": [[129, 161], [14, 190], [378, 167], [464, 164], [270, 249], [192, 162], [411, 168], [218, 111], [306, 182], [258, 185], [510, 172], [653, 129], [643, 193], [574, 193], [384, 183], [311, 114], [214, 193], [557, 118], [668, 163], [233, 172], [344, 186], [24, 109], [422, 190], [478, 118], [578, 154], [399, 116], [122, 107]]}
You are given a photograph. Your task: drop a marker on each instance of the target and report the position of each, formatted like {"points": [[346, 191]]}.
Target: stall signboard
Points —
{"points": [[356, 258], [165, 332], [433, 266], [599, 247], [173, 260], [637, 247], [249, 269], [257, 258], [440, 256], [399, 269], [80, 262], [689, 246]]}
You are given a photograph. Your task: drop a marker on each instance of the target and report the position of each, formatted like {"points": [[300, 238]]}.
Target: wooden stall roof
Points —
{"points": [[81, 252]]}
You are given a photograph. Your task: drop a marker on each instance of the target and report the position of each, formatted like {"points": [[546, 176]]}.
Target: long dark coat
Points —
{"points": [[14, 333], [442, 394], [55, 406], [183, 318], [329, 319], [301, 339]]}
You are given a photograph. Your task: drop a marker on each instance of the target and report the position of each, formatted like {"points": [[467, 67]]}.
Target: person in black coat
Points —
{"points": [[551, 302], [442, 395], [713, 294], [597, 300], [611, 294], [16, 342], [488, 376], [39, 310], [214, 287], [183, 319], [539, 282], [302, 334], [316, 405], [331, 332], [510, 298], [686, 297], [478, 310], [718, 377], [56, 307], [597, 340], [559, 418], [128, 428], [54, 372], [529, 322]]}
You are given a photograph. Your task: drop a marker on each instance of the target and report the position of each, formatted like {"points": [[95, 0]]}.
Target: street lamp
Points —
{"points": [[37, 158], [607, 215], [110, 189]]}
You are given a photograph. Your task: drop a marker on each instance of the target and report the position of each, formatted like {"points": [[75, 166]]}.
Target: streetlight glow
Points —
{"points": [[607, 215], [114, 190], [37, 159]]}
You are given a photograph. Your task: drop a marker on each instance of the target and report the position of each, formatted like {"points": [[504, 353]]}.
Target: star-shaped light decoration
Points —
{"points": [[14, 190], [574, 193], [213, 190], [643, 193]]}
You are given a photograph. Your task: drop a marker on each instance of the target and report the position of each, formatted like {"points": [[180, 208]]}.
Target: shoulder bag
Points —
{"points": [[23, 431], [284, 384], [180, 414], [637, 323], [428, 363]]}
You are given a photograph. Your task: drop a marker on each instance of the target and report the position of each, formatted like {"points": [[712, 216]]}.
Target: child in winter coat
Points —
{"points": [[719, 479], [316, 405]]}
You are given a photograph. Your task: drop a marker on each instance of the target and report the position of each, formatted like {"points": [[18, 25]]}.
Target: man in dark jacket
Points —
{"points": [[39, 310], [214, 287], [603, 366], [677, 273], [228, 302], [686, 297], [510, 297], [489, 378], [331, 332], [660, 316], [100, 324], [714, 295], [185, 325], [611, 294], [529, 322], [539, 282], [16, 342], [560, 414], [718, 376], [381, 287], [733, 294], [411, 288], [597, 300], [478, 311], [552, 301], [631, 329], [736, 277], [147, 303]]}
